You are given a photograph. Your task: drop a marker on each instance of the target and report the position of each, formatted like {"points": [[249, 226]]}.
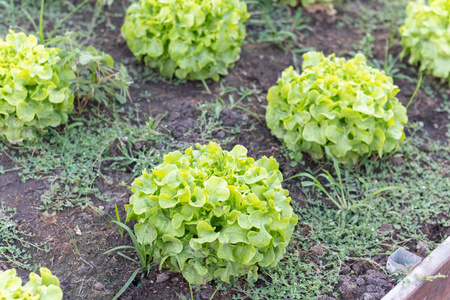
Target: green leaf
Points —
{"points": [[25, 112], [171, 244], [154, 48], [315, 132], [341, 142], [243, 253], [15, 98], [145, 233], [206, 233], [217, 189], [56, 96]]}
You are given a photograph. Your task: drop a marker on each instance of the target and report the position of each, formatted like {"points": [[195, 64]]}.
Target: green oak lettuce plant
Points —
{"points": [[44, 287], [425, 36], [341, 104], [35, 87], [192, 39], [210, 213]]}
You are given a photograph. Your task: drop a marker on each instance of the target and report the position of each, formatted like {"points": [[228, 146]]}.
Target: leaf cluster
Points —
{"points": [[212, 213], [35, 88], [192, 39], [99, 80], [341, 104], [44, 287], [425, 36]]}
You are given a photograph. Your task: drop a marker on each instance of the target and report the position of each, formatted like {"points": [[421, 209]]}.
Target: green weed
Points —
{"points": [[15, 244], [273, 23], [72, 162], [341, 195]]}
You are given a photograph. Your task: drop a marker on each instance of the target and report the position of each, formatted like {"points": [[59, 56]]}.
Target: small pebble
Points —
{"points": [[162, 277], [99, 286], [386, 227], [317, 250]]}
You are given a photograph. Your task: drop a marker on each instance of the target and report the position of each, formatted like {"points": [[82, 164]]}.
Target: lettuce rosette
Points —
{"points": [[341, 104], [189, 39], [35, 88], [210, 213]]}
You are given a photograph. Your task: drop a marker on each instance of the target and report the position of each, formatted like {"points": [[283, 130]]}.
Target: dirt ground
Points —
{"points": [[91, 275]]}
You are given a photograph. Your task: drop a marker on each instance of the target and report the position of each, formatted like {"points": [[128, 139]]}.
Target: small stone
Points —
{"points": [[220, 134], [386, 227], [152, 276], [396, 160], [77, 230], [82, 271], [162, 277], [160, 146], [422, 248], [317, 250], [137, 146], [99, 286]]}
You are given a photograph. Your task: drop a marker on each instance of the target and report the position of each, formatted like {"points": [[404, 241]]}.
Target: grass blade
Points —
{"points": [[66, 17], [41, 24], [127, 284]]}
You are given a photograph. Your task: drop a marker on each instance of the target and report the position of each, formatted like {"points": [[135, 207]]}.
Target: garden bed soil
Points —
{"points": [[85, 273]]}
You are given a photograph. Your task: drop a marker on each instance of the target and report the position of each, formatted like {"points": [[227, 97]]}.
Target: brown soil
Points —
{"points": [[88, 274]]}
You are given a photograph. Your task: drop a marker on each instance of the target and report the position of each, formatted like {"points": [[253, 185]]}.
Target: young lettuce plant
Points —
{"points": [[341, 104], [35, 87], [38, 83], [192, 39], [424, 36], [210, 213], [44, 287]]}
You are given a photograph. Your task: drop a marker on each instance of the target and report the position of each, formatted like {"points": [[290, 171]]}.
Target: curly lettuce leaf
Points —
{"points": [[44, 287], [425, 36], [341, 104], [34, 87], [212, 213], [185, 38]]}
